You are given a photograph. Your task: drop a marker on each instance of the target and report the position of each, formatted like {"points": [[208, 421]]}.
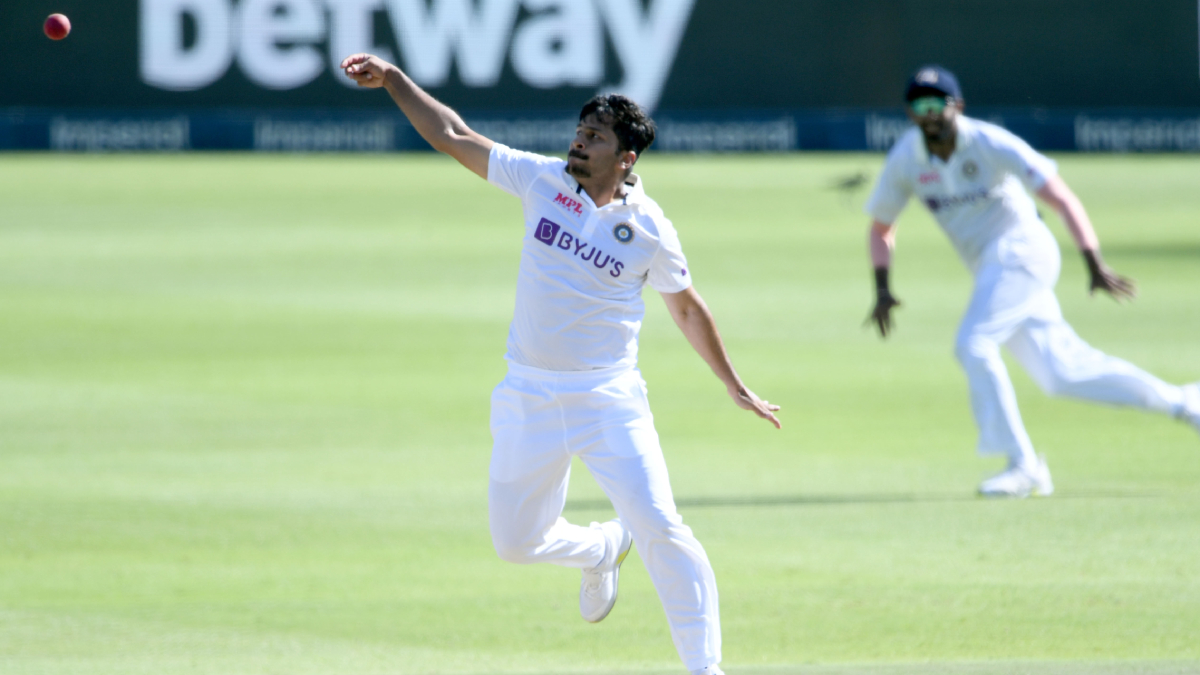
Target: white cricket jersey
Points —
{"points": [[579, 287], [977, 196]]}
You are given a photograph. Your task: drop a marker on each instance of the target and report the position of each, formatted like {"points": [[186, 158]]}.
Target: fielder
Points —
{"points": [[973, 177], [592, 240]]}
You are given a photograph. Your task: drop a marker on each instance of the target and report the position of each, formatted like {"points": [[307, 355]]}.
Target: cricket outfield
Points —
{"points": [[243, 430]]}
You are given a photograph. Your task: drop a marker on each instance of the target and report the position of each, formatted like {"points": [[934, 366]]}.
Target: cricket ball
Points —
{"points": [[57, 26]]}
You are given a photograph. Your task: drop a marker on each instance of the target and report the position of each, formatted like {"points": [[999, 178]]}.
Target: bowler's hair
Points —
{"points": [[633, 127]]}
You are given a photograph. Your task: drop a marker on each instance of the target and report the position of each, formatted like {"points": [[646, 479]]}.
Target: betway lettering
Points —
{"points": [[572, 205], [550, 233], [285, 44]]}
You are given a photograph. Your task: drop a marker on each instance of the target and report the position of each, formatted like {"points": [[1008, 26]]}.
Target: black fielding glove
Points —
{"points": [[881, 314]]}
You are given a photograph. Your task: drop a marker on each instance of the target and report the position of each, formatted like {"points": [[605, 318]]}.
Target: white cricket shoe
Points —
{"points": [[714, 669], [1190, 412], [1020, 481], [598, 593]]}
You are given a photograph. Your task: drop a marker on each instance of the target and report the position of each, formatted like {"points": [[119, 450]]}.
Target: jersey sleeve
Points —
{"points": [[891, 193], [668, 270], [515, 170], [1031, 167]]}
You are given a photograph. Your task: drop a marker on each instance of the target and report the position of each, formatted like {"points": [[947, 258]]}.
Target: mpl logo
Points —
{"points": [[285, 44], [546, 231], [571, 205]]}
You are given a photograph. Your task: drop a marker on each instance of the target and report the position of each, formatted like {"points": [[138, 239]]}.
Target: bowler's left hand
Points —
{"points": [[748, 400]]}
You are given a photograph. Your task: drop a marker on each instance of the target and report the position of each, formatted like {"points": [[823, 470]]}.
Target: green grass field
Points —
{"points": [[243, 430]]}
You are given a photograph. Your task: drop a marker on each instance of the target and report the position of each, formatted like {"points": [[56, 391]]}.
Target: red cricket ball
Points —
{"points": [[57, 26]]}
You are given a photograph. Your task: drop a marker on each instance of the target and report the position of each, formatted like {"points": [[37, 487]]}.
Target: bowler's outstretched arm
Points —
{"points": [[1060, 198], [696, 322], [440, 126]]}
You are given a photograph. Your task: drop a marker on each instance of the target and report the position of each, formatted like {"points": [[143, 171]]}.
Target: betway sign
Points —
{"points": [[285, 44]]}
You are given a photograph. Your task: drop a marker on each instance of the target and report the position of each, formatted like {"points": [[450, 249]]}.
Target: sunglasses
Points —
{"points": [[929, 104]]}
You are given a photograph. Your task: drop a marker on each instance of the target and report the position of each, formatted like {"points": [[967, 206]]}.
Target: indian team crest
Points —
{"points": [[623, 233], [970, 169]]}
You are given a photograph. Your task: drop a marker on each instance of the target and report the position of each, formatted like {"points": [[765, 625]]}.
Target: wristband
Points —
{"points": [[1092, 258], [881, 281]]}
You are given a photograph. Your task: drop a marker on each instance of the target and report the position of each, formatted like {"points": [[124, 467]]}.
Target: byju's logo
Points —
{"points": [[936, 204], [546, 231]]}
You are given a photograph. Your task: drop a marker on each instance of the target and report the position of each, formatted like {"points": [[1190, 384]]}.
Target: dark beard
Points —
{"points": [[945, 132], [578, 170]]}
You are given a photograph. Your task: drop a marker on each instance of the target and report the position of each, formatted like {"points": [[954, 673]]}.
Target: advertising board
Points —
{"points": [[771, 74]]}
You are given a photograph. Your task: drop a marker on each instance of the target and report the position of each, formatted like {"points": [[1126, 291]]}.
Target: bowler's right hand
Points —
{"points": [[367, 70]]}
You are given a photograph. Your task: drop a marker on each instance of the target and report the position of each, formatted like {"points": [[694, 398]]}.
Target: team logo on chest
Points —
{"points": [[553, 235], [623, 233], [970, 169]]}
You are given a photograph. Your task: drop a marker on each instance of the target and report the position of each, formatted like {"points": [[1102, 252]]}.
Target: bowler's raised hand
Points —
{"points": [[367, 70]]}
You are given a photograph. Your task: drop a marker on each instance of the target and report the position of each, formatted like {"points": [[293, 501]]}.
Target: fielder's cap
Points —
{"points": [[932, 81]]}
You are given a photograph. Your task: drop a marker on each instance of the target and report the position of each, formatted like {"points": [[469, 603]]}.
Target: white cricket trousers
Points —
{"points": [[1014, 305], [540, 420]]}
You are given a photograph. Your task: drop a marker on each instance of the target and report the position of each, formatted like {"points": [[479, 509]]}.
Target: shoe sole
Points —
{"points": [[1004, 495], [1033, 492], [616, 583]]}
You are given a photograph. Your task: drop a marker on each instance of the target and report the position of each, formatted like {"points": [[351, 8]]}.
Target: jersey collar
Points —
{"points": [[634, 192]]}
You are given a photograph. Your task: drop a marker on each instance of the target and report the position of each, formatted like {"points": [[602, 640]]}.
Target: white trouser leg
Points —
{"points": [[1003, 298], [621, 449], [628, 463], [1062, 364], [538, 421], [993, 400], [528, 480]]}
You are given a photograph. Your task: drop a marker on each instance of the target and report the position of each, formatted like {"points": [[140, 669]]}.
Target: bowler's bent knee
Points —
{"points": [[516, 542], [514, 552]]}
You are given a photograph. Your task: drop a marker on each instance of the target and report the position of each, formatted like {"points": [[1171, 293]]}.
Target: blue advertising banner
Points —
{"points": [[290, 130]]}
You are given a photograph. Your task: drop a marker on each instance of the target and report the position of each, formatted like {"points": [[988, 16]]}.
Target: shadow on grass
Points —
{"points": [[854, 499]]}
